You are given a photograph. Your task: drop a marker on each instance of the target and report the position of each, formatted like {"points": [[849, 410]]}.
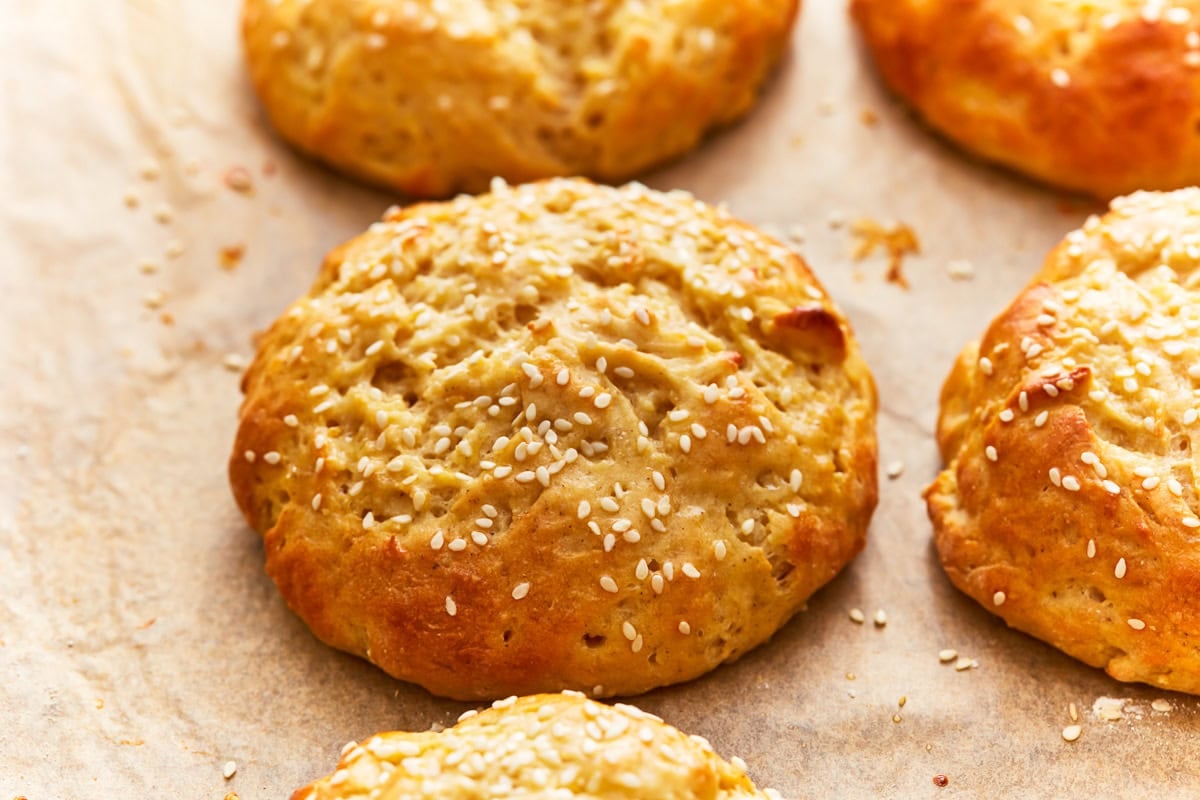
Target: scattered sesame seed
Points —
{"points": [[249, 455], [880, 618], [1071, 733], [229, 770], [963, 663], [895, 470], [857, 616], [947, 655], [603, 400], [316, 501]]}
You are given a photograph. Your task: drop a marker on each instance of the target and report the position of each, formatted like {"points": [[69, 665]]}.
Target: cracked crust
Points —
{"points": [[542, 746], [1099, 96], [557, 436], [1068, 505], [434, 98]]}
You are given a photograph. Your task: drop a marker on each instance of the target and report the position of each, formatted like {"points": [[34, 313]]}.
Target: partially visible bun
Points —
{"points": [[560, 436], [434, 98], [546, 746], [1071, 435], [1099, 97]]}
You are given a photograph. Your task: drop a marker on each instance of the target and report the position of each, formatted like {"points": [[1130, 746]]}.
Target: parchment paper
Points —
{"points": [[141, 645]]}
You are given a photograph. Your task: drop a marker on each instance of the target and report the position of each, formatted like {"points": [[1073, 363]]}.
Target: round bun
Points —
{"points": [[555, 745], [1102, 98], [433, 98], [1069, 501], [560, 436]]}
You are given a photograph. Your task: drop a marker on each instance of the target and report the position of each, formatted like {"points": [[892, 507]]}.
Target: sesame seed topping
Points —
{"points": [[229, 770], [437, 540], [479, 538], [990, 452], [585, 509], [520, 591], [582, 418], [1007, 415], [985, 366], [685, 443], [610, 505], [272, 457], [660, 483], [690, 570], [656, 583], [719, 549], [603, 400], [608, 584], [1190, 522], [1055, 476], [249, 455], [458, 545], [1060, 77], [1091, 548], [1175, 487], [1071, 483], [1119, 570], [998, 598], [528, 476], [1136, 624], [451, 606]]}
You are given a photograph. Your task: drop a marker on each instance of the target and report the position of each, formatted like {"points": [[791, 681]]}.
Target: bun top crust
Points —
{"points": [[431, 98], [543, 746], [1069, 502], [1100, 97], [558, 436]]}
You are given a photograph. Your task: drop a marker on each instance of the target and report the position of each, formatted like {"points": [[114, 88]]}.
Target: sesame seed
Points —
{"points": [[249, 455], [229, 770], [479, 538], [608, 584], [685, 443], [1007, 415], [1023, 401], [1060, 77], [794, 510], [437, 540], [998, 598], [990, 452], [656, 583], [1055, 476], [520, 591], [503, 471], [272, 457], [451, 606], [582, 418], [660, 483], [1175, 487], [880, 618], [1091, 548], [637, 644], [585, 509], [1136, 624], [1190, 522], [1041, 418], [719, 549], [985, 366], [1071, 483], [543, 476], [1071, 733], [690, 570], [1111, 487], [528, 476], [1120, 569], [368, 521], [458, 545], [711, 393], [316, 501], [601, 365], [603, 400], [948, 655], [964, 663], [795, 479], [857, 616], [610, 505]]}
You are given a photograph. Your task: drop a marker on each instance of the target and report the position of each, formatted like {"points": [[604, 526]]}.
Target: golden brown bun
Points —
{"points": [[1068, 505], [1100, 97], [545, 746], [433, 98], [531, 393]]}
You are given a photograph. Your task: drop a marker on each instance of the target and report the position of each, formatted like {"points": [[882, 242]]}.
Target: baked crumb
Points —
{"points": [[897, 240]]}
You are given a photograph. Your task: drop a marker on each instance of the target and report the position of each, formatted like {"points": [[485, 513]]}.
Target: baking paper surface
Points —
{"points": [[141, 645]]}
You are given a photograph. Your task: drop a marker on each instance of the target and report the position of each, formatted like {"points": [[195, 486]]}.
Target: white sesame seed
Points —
{"points": [[1060, 77], [1190, 522], [1111, 487], [585, 509], [1175, 487], [1120, 569], [1050, 389], [690, 570], [795, 479], [990, 452], [1091, 548], [857, 616], [1007, 415], [660, 483], [998, 598], [543, 476], [711, 393], [457, 545], [582, 418], [794, 510], [880, 618], [601, 365], [610, 505], [1071, 733], [1041, 418], [719, 549], [603, 400], [1055, 476], [642, 316], [985, 366], [685, 443], [249, 455], [1023, 401], [1071, 483], [963, 664], [520, 591], [272, 457], [622, 525], [948, 655], [1136, 624], [528, 476], [451, 606], [656, 583], [479, 537], [229, 770], [608, 584]]}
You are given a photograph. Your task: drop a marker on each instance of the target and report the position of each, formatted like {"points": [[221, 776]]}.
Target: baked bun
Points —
{"points": [[1099, 97], [561, 436], [431, 98], [550, 745], [1068, 505]]}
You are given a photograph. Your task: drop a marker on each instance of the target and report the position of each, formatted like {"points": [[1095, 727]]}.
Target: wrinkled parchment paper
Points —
{"points": [[150, 223]]}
